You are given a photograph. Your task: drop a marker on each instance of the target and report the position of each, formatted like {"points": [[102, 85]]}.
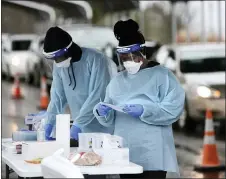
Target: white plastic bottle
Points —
{"points": [[41, 132]]}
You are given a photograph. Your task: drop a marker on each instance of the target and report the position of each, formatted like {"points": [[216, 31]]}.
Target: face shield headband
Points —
{"points": [[130, 53], [130, 48], [57, 53]]}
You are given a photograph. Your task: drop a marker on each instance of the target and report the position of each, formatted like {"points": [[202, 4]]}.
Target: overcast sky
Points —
{"points": [[211, 14]]}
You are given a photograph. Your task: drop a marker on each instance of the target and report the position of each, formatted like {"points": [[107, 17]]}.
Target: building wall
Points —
{"points": [[18, 19], [153, 25]]}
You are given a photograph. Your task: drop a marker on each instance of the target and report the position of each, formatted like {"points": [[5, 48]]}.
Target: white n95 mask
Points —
{"points": [[132, 67], [64, 64]]}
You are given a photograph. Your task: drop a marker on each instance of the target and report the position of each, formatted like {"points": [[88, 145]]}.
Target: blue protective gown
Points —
{"points": [[150, 137], [81, 86]]}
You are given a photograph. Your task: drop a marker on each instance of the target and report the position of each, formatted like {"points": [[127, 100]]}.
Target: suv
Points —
{"points": [[19, 58], [201, 70]]}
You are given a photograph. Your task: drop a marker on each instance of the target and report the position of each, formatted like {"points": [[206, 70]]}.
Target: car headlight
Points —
{"points": [[15, 61], [206, 92]]}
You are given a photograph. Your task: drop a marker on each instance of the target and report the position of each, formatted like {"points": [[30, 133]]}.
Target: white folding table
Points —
{"points": [[24, 170]]}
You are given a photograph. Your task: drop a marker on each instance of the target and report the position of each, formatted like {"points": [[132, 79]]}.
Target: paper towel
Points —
{"points": [[63, 132]]}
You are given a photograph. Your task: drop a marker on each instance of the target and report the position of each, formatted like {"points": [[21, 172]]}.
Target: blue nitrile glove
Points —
{"points": [[103, 110], [48, 130], [74, 132], [135, 110], [50, 138]]}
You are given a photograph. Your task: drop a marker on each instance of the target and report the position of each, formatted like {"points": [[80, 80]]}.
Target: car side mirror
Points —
{"points": [[5, 50]]}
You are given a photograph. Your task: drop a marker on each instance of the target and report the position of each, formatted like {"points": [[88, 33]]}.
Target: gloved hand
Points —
{"points": [[74, 132], [135, 110], [48, 130], [103, 110]]}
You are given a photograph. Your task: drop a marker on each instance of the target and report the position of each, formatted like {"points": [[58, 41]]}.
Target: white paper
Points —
{"points": [[117, 108]]}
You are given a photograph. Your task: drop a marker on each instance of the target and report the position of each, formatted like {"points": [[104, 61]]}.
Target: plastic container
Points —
{"points": [[24, 136], [41, 132]]}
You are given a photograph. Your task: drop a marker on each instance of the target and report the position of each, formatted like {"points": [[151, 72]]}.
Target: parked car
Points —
{"points": [[19, 57], [201, 70]]}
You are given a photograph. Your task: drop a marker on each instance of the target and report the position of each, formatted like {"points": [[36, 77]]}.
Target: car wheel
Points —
{"points": [[8, 74], [36, 75], [4, 75], [222, 129], [29, 76]]}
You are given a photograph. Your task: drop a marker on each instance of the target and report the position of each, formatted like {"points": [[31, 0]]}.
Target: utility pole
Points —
{"points": [[210, 6], [142, 19], [187, 24], [203, 32], [219, 21], [174, 24]]}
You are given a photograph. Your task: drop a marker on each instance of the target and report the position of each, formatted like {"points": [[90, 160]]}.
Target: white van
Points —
{"points": [[19, 57], [201, 70]]}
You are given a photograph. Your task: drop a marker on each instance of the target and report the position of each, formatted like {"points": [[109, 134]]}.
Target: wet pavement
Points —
{"points": [[189, 147]]}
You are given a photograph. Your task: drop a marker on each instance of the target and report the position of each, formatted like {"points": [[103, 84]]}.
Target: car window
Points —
{"points": [[18, 45], [203, 65]]}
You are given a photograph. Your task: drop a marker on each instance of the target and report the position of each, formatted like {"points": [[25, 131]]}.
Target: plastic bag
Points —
{"points": [[86, 159], [37, 119]]}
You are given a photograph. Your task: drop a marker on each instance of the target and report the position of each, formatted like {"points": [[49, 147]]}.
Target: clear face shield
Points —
{"points": [[131, 57], [60, 57]]}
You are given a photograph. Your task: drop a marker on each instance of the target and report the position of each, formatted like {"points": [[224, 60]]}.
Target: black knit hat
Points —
{"points": [[127, 33], [55, 39]]}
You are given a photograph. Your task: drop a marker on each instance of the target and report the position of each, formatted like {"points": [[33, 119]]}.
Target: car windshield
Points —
{"points": [[19, 45], [203, 65], [203, 60]]}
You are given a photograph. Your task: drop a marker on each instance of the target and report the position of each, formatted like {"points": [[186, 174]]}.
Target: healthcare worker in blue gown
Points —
{"points": [[152, 100], [80, 78]]}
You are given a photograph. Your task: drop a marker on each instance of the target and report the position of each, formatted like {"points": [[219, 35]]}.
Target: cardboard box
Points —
{"points": [[112, 142], [88, 141]]}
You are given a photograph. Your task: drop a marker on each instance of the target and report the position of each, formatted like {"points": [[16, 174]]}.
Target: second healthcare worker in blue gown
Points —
{"points": [[80, 78], [152, 100]]}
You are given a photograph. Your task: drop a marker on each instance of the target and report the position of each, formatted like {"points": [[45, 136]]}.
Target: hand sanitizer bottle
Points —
{"points": [[41, 132]]}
